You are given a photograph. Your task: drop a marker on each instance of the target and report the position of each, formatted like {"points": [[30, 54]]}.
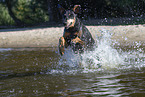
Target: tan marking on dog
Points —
{"points": [[79, 34], [61, 45], [77, 40], [71, 21], [66, 34]]}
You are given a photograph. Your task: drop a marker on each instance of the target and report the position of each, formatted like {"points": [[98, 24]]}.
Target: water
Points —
{"points": [[106, 71]]}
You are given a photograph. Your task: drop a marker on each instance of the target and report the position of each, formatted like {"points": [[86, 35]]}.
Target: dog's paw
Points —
{"points": [[77, 40], [77, 45]]}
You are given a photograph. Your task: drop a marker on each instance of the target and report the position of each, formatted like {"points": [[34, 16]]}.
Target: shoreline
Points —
{"points": [[125, 36]]}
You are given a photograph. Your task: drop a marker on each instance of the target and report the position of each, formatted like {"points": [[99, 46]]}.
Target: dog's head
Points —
{"points": [[69, 16]]}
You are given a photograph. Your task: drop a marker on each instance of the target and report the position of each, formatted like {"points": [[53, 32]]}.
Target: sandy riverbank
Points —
{"points": [[48, 37]]}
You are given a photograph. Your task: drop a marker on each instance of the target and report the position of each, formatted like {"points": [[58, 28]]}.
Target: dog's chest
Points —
{"points": [[71, 33]]}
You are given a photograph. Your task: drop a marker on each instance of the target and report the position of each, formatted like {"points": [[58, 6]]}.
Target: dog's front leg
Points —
{"points": [[61, 45], [77, 40], [77, 45]]}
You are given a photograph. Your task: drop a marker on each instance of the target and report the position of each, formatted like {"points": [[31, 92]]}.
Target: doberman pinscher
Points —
{"points": [[75, 33]]}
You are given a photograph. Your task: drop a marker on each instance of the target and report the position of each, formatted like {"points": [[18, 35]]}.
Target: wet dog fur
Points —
{"points": [[75, 33]]}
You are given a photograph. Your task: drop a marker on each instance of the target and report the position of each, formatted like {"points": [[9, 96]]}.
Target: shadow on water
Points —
{"points": [[9, 76], [21, 62]]}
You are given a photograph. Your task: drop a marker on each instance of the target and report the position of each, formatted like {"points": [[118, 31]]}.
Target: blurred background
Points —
{"points": [[23, 13]]}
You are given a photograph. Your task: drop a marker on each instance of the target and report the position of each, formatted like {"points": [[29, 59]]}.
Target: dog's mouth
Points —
{"points": [[70, 23]]}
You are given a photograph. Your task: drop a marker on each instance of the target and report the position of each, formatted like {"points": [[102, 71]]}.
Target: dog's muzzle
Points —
{"points": [[70, 23]]}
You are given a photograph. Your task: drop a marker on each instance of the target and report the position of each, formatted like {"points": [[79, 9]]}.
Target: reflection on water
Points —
{"points": [[103, 72], [38, 72]]}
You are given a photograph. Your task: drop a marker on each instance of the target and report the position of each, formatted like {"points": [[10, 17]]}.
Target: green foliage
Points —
{"points": [[38, 11], [30, 12], [5, 18]]}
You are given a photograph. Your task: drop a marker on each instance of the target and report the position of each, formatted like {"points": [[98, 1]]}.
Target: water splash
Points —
{"points": [[67, 64], [70, 59], [133, 59], [104, 57]]}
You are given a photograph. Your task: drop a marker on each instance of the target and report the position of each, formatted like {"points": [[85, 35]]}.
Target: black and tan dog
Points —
{"points": [[75, 33]]}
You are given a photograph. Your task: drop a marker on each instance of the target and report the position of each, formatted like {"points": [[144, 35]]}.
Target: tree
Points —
{"points": [[9, 4], [53, 10]]}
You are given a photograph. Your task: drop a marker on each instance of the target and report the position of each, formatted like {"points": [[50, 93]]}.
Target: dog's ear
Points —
{"points": [[61, 9], [76, 9]]}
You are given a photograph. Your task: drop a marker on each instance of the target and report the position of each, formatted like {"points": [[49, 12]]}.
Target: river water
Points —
{"points": [[106, 71]]}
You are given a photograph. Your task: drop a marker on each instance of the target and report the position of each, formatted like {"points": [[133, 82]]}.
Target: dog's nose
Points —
{"points": [[70, 23]]}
